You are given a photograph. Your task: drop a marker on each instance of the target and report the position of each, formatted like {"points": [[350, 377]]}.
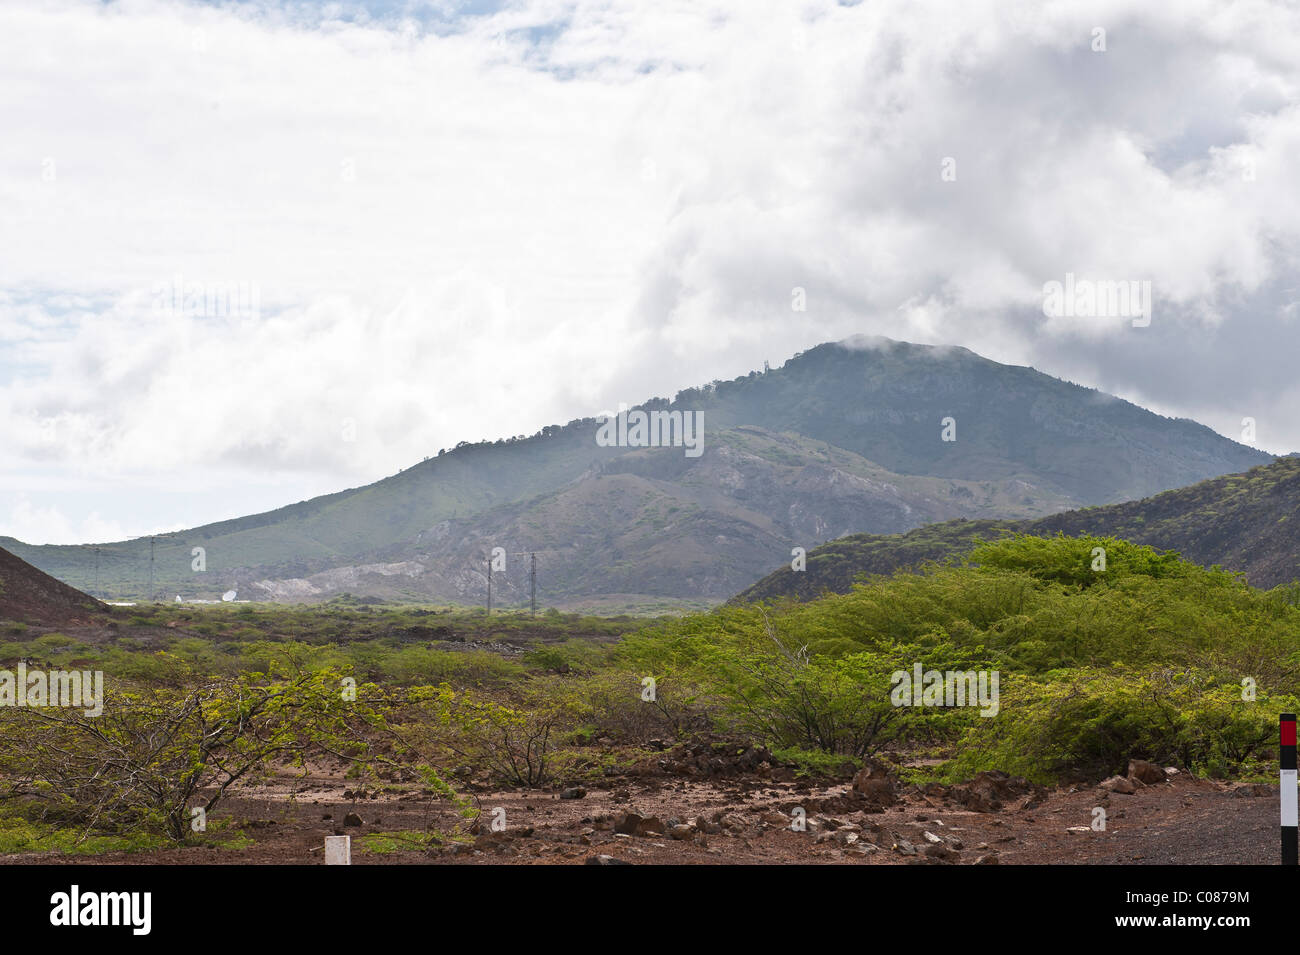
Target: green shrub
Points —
{"points": [[1089, 723]]}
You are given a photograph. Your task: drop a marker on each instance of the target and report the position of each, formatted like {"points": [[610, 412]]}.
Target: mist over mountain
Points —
{"points": [[862, 436]]}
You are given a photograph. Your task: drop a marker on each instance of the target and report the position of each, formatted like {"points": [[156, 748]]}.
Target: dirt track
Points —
{"points": [[1183, 821]]}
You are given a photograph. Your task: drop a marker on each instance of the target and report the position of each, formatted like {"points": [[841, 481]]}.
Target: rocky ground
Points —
{"points": [[28, 594], [675, 811]]}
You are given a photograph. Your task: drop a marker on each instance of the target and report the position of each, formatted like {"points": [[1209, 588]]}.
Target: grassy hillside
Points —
{"points": [[327, 530], [1242, 522], [877, 401], [647, 526], [884, 400]]}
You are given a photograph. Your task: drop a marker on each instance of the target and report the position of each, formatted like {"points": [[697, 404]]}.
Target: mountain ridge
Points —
{"points": [[882, 402], [1247, 522]]}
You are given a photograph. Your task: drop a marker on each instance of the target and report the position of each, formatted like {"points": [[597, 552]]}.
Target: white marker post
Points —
{"points": [[1289, 842], [338, 849]]}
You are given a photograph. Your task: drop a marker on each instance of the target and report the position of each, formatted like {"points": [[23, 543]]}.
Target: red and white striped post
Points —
{"points": [[1289, 843]]}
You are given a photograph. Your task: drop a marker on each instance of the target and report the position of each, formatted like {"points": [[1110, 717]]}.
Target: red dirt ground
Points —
{"points": [[1182, 821]]}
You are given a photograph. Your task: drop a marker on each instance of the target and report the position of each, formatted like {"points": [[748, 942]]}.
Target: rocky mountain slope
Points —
{"points": [[648, 527], [845, 438], [1244, 522], [29, 596]]}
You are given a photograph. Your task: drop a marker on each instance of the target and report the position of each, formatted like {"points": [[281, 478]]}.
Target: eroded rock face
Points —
{"points": [[712, 758], [634, 824], [1120, 784], [876, 784], [1253, 790], [995, 790], [942, 853], [1147, 773]]}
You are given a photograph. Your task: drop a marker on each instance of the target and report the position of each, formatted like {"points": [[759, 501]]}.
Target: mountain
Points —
{"points": [[648, 525], [1243, 522], [29, 596], [847, 437]]}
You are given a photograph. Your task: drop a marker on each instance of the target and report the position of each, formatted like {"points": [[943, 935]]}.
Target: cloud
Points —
{"points": [[28, 521], [465, 227]]}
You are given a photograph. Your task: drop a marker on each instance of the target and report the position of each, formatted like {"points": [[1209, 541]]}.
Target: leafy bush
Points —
{"points": [[771, 686], [618, 710], [1081, 653], [518, 742], [142, 763], [1089, 723], [1070, 560]]}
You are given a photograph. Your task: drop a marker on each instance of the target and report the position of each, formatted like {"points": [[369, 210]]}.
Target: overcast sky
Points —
{"points": [[441, 222]]}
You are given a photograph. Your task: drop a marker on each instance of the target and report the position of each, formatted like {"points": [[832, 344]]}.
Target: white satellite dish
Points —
{"points": [[229, 595]]}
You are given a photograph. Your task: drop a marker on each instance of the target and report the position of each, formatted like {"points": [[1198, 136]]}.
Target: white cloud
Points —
{"points": [[564, 205], [28, 521]]}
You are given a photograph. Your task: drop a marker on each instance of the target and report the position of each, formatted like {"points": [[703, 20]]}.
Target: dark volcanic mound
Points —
{"points": [[29, 596]]}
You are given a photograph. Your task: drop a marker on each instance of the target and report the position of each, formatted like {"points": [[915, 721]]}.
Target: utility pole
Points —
{"points": [[532, 577], [97, 593], [169, 535]]}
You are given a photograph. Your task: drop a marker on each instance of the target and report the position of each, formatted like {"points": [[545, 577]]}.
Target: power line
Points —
{"points": [[532, 580], [152, 538], [532, 577]]}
